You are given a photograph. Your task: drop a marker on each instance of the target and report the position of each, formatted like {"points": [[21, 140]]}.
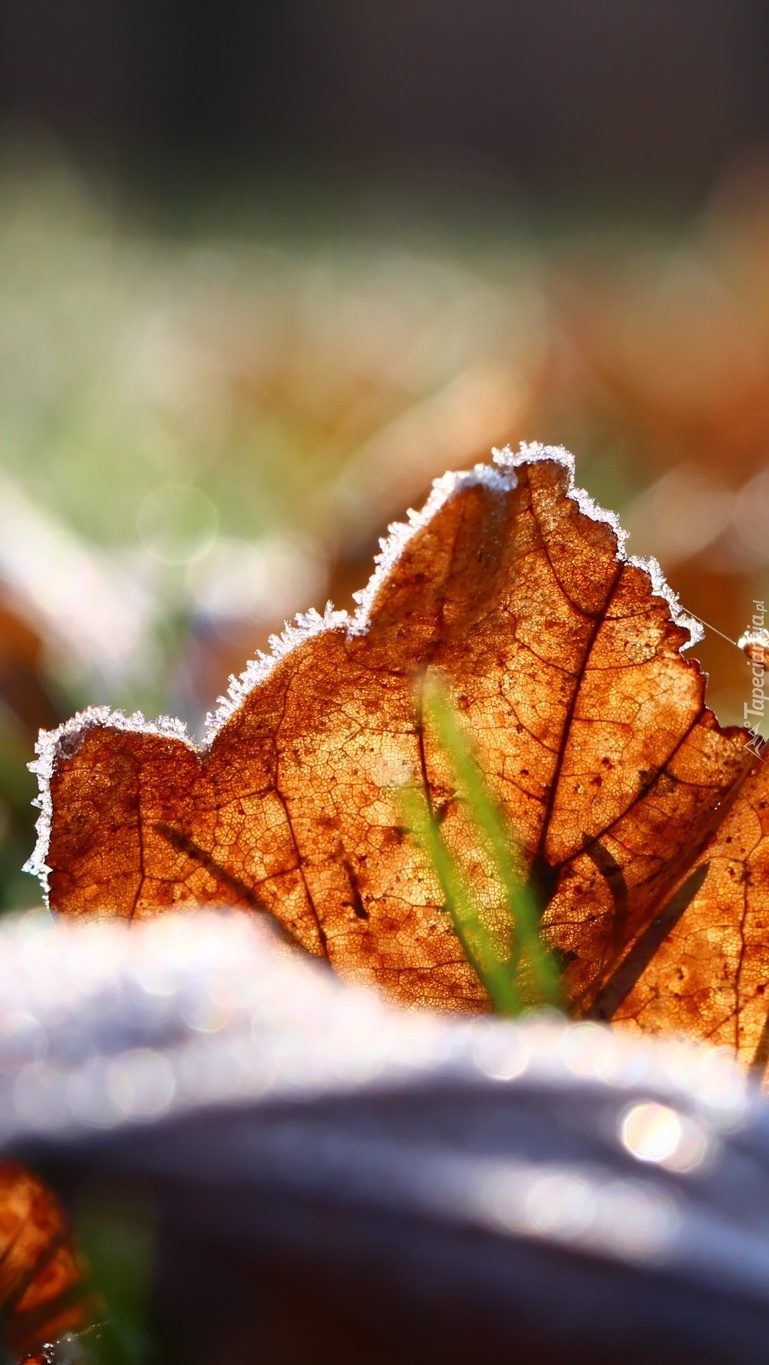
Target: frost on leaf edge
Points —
{"points": [[66, 739], [500, 476], [533, 453]]}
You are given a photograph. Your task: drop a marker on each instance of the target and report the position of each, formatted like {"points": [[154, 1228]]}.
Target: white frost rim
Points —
{"points": [[500, 476]]}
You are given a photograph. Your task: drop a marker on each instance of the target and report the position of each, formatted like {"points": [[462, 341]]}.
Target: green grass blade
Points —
{"points": [[482, 952], [491, 822]]}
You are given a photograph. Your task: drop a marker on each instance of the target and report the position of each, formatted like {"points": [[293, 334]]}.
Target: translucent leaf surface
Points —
{"points": [[636, 818]]}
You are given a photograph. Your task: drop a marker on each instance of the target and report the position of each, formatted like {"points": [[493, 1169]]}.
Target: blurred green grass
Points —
{"points": [[209, 413]]}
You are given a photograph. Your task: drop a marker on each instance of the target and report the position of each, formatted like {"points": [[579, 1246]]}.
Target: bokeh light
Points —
{"points": [[660, 1135]]}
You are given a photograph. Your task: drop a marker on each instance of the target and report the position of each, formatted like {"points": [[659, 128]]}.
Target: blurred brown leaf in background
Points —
{"points": [[43, 1290]]}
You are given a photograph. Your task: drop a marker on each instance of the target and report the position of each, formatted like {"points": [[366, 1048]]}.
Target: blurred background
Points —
{"points": [[266, 269]]}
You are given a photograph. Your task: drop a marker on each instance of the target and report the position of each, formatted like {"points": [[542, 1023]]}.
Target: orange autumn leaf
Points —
{"points": [[637, 820], [43, 1292]]}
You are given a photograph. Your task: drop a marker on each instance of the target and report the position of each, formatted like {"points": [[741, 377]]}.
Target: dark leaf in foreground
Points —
{"points": [[335, 1180]]}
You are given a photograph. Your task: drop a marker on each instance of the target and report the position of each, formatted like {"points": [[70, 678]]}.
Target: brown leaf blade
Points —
{"points": [[43, 1289], [710, 975], [564, 660]]}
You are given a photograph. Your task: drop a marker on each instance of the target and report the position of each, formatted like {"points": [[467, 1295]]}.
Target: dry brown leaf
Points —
{"points": [[640, 821], [43, 1292], [23, 685]]}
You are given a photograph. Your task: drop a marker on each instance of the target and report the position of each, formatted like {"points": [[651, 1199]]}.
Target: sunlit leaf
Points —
{"points": [[564, 660]]}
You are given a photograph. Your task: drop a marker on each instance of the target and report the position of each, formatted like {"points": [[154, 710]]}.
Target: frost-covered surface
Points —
{"points": [[296, 632], [65, 741], [533, 452], [159, 996], [267, 1109], [756, 639], [400, 533], [500, 476]]}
